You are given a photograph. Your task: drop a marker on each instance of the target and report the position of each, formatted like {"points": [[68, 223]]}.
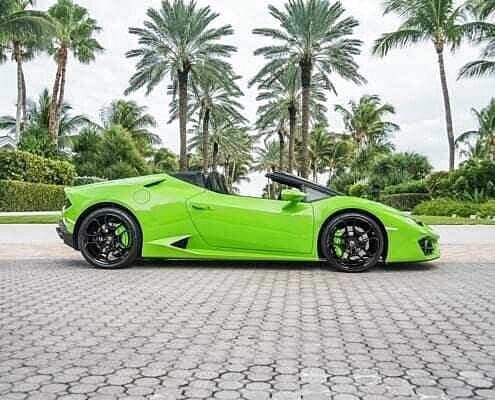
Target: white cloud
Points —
{"points": [[408, 79]]}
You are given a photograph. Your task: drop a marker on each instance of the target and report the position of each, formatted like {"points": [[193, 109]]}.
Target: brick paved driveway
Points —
{"points": [[254, 331]]}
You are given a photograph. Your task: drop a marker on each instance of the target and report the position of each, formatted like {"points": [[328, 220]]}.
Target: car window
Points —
{"points": [[314, 195]]}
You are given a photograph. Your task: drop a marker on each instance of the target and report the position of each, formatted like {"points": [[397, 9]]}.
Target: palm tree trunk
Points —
{"points": [[206, 123], [282, 149], [61, 92], [53, 103], [214, 157], [315, 172], [24, 102], [306, 69], [183, 77], [17, 56], [448, 109], [292, 136]]}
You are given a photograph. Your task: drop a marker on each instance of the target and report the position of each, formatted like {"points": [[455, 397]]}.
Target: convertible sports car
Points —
{"points": [[193, 216]]}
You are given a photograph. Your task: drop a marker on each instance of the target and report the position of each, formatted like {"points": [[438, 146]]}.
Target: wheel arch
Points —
{"points": [[98, 206], [358, 211]]}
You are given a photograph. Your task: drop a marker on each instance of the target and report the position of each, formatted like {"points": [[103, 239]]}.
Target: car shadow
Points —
{"points": [[299, 266]]}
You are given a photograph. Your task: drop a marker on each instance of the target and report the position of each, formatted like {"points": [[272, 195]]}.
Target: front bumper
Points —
{"points": [[64, 234]]}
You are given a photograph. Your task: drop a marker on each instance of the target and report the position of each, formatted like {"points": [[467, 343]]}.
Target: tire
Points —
{"points": [[109, 238], [352, 242]]}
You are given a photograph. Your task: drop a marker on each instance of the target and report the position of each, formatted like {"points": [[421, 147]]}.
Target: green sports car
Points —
{"points": [[193, 216]]}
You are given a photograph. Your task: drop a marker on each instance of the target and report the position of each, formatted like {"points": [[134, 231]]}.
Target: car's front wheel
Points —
{"points": [[109, 238], [352, 242]]}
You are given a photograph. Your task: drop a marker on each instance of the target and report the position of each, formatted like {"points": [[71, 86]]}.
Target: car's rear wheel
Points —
{"points": [[109, 238], [352, 242]]}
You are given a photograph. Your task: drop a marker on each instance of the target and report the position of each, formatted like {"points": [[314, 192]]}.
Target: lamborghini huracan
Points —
{"points": [[194, 216]]}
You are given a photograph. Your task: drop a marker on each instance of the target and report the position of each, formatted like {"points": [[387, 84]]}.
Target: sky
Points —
{"points": [[408, 79]]}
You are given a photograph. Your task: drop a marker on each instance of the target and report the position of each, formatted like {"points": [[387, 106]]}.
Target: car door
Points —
{"points": [[248, 223]]}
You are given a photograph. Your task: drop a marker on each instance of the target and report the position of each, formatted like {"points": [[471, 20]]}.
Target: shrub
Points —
{"points": [[357, 190], [405, 201], [487, 210], [23, 166], [447, 207], [24, 196], [406, 187]]}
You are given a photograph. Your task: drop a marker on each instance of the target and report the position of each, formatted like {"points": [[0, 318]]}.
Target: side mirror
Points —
{"points": [[293, 195]]}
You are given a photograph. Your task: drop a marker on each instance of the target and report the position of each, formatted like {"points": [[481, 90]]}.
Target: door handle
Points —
{"points": [[201, 207]]}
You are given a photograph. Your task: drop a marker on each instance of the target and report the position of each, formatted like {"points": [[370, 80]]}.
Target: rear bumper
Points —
{"points": [[64, 234]]}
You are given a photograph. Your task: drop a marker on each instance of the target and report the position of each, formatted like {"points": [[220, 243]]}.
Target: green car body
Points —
{"points": [[179, 220]]}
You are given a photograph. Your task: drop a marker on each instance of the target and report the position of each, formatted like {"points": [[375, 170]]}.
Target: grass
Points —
{"points": [[30, 219], [433, 220]]}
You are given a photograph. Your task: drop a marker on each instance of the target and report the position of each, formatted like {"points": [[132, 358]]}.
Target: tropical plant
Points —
{"points": [[321, 148], [486, 65], [134, 119], [165, 161], [175, 40], [480, 143], [37, 123], [74, 31], [111, 153], [440, 22], [282, 96], [266, 160], [314, 36], [19, 30], [364, 122], [216, 104]]}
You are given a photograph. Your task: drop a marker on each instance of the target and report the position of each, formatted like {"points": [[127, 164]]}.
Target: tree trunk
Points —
{"points": [[315, 172], [61, 93], [18, 116], [206, 123], [183, 77], [214, 160], [53, 103], [306, 69], [24, 103], [448, 109], [281, 140], [292, 136]]}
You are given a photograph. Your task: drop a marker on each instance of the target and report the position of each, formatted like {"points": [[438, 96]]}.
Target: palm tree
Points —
{"points": [[364, 121], [38, 115], [321, 149], [74, 31], [266, 160], [18, 30], [486, 65], [215, 103], [483, 137], [175, 41], [314, 36], [133, 118], [439, 22], [282, 95]]}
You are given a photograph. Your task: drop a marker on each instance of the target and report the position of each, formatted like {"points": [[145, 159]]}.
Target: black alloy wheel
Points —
{"points": [[109, 238], [352, 242]]}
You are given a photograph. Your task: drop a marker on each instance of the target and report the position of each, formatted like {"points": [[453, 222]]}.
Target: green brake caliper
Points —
{"points": [[338, 242], [123, 235]]}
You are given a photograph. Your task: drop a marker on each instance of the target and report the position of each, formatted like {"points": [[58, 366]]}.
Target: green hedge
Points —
{"points": [[23, 166], [448, 207], [405, 201], [406, 187], [24, 196]]}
